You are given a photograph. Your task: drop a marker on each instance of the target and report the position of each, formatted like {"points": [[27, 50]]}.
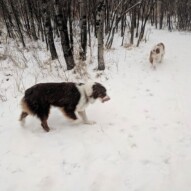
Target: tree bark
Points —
{"points": [[48, 29], [100, 36], [83, 26], [133, 22], [31, 19], [18, 23], [146, 11], [7, 19], [70, 18], [161, 5], [62, 25]]}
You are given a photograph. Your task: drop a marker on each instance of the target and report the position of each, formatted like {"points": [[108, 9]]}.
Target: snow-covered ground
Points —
{"points": [[142, 138]]}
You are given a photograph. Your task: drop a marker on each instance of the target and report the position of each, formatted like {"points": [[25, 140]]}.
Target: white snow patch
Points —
{"points": [[142, 139]]}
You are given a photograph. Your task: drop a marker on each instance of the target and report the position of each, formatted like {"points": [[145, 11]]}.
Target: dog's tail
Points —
{"points": [[25, 111]]}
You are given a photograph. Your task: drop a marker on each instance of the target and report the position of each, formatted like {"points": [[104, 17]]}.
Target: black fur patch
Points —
{"points": [[56, 94], [98, 91], [40, 97]]}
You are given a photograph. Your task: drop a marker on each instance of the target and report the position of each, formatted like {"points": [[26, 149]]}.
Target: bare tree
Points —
{"points": [[133, 25], [7, 18], [100, 36], [70, 19], [17, 22], [114, 23], [184, 14], [31, 19], [83, 27], [146, 6], [161, 12], [61, 19], [48, 28]]}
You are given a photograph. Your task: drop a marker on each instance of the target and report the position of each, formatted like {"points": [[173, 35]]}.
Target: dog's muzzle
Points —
{"points": [[106, 98]]}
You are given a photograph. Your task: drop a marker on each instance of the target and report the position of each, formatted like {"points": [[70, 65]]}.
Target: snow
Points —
{"points": [[142, 138]]}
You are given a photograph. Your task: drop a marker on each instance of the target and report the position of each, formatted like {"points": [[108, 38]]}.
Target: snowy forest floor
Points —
{"points": [[142, 138]]}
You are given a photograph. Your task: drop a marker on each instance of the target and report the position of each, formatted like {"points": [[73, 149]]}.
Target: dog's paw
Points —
{"points": [[89, 122], [22, 123]]}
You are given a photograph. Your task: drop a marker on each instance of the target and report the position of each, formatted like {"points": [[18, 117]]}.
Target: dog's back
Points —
{"points": [[52, 93], [39, 98]]}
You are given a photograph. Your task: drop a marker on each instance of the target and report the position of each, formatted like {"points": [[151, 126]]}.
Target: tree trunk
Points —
{"points": [[99, 26], [145, 15], [161, 14], [133, 21], [39, 19], [6, 19], [137, 24], [107, 22], [62, 25], [17, 21], [31, 18], [27, 23], [169, 22], [48, 29], [70, 25], [156, 15], [83, 26]]}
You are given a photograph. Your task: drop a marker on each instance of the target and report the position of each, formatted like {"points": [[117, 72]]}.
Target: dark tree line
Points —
{"points": [[46, 19]]}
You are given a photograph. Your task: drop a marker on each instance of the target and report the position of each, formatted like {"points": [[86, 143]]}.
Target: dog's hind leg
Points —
{"points": [[42, 114], [22, 117], [69, 113], [44, 124]]}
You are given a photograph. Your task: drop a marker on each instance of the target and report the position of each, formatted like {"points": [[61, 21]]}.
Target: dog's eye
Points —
{"points": [[102, 94]]}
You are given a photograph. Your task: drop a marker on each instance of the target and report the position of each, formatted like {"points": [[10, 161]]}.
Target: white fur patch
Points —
{"points": [[22, 122], [85, 91], [88, 88]]}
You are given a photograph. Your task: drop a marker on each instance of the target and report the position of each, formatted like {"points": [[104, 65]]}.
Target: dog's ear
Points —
{"points": [[95, 92], [98, 91]]}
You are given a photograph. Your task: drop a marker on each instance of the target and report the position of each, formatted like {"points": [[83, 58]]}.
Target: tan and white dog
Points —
{"points": [[157, 54]]}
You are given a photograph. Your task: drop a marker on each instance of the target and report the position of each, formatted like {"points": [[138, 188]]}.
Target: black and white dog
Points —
{"points": [[68, 96]]}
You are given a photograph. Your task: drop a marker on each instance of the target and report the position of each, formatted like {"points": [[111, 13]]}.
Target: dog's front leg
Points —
{"points": [[69, 113], [83, 115]]}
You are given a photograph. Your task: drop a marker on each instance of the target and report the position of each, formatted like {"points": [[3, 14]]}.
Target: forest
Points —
{"points": [[68, 20], [136, 136]]}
